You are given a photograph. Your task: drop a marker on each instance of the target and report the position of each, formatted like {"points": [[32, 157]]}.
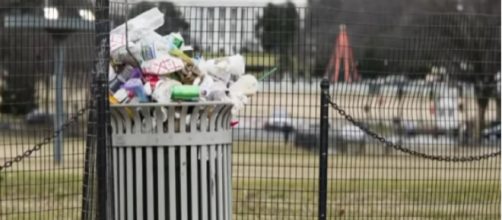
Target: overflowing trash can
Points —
{"points": [[172, 112], [172, 161]]}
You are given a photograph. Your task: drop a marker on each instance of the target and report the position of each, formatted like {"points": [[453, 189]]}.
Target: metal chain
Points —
{"points": [[46, 140], [406, 150]]}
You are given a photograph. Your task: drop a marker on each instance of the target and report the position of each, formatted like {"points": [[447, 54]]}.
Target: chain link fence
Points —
{"points": [[46, 62], [414, 89]]}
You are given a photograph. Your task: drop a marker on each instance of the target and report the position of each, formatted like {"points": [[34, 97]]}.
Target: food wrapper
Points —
{"points": [[163, 65]]}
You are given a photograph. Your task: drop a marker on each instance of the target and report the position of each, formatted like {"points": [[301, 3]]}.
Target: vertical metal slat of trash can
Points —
{"points": [[212, 165], [193, 183], [229, 175], [219, 182], [161, 183], [161, 187], [172, 165], [139, 183], [116, 180], [170, 121], [221, 122], [129, 183], [149, 184], [172, 182], [205, 185], [227, 160], [212, 181], [228, 166], [226, 184], [183, 167], [146, 127], [120, 188], [194, 171], [121, 184], [183, 182], [115, 129], [203, 182], [139, 159]]}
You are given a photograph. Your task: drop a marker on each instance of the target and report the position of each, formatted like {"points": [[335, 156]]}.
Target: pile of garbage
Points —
{"points": [[147, 67]]}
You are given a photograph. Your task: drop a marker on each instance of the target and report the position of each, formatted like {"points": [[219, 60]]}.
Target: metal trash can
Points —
{"points": [[172, 161]]}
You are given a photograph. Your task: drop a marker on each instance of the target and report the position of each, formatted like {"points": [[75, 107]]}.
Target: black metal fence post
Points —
{"points": [[102, 169], [323, 152]]}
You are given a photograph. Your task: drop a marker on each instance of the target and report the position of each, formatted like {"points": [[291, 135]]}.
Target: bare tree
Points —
{"points": [[26, 54], [409, 37], [467, 42]]}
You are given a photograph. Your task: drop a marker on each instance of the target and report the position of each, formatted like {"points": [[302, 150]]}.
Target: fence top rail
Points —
{"points": [[253, 4]]}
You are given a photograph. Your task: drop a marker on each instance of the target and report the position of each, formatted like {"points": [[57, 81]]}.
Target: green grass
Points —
{"points": [[251, 59], [23, 195], [376, 198], [49, 195], [262, 147], [277, 181], [260, 59]]}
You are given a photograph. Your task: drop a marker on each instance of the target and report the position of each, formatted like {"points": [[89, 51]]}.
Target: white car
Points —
{"points": [[279, 120], [350, 132]]}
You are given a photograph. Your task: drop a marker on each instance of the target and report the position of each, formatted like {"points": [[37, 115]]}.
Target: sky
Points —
{"points": [[298, 3]]}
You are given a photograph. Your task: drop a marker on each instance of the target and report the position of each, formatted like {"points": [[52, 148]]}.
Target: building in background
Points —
{"points": [[225, 26]]}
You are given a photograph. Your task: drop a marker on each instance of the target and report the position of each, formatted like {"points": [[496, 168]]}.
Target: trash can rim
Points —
{"points": [[153, 104]]}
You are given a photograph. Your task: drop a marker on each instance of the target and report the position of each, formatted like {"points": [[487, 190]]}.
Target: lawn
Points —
{"points": [[276, 181], [272, 199]]}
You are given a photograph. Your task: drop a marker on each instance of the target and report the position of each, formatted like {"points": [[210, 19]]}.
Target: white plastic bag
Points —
{"points": [[122, 56], [222, 69], [239, 100], [247, 84], [117, 41], [141, 24]]}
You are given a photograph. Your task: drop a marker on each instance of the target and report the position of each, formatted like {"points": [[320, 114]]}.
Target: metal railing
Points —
{"points": [[428, 86]]}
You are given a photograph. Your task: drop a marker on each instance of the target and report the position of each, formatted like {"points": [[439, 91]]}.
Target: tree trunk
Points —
{"points": [[498, 101], [480, 120]]}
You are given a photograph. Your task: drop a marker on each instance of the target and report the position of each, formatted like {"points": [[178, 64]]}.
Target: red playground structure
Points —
{"points": [[342, 51]]}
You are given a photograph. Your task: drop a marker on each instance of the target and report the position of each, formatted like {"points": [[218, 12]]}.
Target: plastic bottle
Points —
{"points": [[205, 84], [163, 90], [135, 85], [148, 51], [175, 41], [186, 93], [153, 45]]}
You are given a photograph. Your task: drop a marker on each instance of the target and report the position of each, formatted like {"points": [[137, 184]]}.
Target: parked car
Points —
{"points": [[350, 132], [492, 132], [278, 121], [307, 137], [348, 139]]}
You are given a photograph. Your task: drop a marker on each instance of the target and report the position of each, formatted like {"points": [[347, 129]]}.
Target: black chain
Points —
{"points": [[45, 141], [406, 150]]}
